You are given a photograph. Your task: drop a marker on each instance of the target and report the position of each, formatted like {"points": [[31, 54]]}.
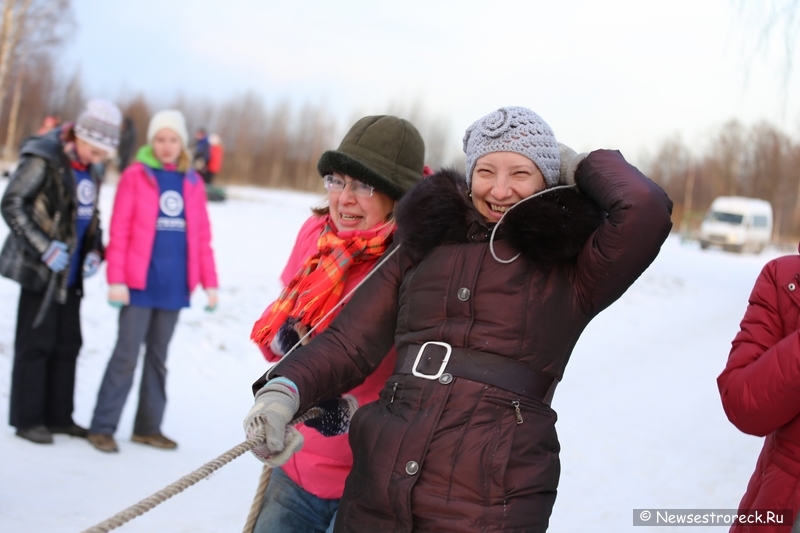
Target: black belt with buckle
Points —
{"points": [[436, 360]]}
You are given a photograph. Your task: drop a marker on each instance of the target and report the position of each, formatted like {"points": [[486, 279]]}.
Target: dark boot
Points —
{"points": [[73, 431], [37, 434]]}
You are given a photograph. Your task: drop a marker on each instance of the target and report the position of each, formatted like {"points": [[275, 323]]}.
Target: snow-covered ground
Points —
{"points": [[640, 420]]}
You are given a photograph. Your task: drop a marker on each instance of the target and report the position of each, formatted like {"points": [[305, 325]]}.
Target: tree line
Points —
{"points": [[757, 161], [278, 145], [274, 145]]}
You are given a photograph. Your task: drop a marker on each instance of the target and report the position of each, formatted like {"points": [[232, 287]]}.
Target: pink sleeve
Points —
{"points": [[121, 226], [208, 267], [304, 246]]}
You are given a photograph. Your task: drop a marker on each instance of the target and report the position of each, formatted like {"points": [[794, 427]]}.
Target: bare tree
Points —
{"points": [[30, 29], [435, 132], [759, 162], [765, 18], [14, 16], [728, 150], [67, 97]]}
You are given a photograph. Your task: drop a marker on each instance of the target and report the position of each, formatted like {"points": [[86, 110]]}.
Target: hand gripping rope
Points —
{"points": [[188, 480], [207, 469]]}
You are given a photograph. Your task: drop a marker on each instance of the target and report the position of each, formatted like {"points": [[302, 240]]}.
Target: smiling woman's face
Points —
{"points": [[350, 211], [500, 180]]}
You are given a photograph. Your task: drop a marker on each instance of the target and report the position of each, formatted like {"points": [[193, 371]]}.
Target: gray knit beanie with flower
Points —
{"points": [[514, 129]]}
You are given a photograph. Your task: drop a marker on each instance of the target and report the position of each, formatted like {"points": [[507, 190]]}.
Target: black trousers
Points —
{"points": [[43, 379]]}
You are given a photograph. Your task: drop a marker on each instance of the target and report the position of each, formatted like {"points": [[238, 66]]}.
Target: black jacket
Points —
{"points": [[40, 192]]}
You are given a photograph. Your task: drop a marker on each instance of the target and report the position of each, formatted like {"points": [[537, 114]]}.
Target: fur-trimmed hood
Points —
{"points": [[547, 230]]}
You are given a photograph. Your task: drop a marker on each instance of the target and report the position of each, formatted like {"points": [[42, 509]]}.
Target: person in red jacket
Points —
{"points": [[215, 154], [377, 162], [760, 392]]}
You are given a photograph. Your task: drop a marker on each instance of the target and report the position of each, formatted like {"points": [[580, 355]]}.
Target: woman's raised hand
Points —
{"points": [[569, 164]]}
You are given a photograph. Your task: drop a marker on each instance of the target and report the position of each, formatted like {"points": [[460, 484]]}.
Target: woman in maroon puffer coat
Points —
{"points": [[760, 392], [462, 437]]}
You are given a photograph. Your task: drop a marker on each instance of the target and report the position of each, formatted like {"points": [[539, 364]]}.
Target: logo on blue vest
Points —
{"points": [[171, 203], [87, 194]]}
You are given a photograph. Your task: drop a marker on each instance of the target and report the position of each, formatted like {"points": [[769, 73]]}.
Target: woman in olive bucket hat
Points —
{"points": [[495, 276], [378, 161]]}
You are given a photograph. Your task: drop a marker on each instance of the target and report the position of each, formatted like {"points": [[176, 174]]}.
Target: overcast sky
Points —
{"points": [[623, 74]]}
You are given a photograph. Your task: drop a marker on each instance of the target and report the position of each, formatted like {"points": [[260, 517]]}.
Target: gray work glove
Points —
{"points": [[569, 164], [275, 406], [56, 257]]}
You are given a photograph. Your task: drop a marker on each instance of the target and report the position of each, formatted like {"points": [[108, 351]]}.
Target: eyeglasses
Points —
{"points": [[336, 184]]}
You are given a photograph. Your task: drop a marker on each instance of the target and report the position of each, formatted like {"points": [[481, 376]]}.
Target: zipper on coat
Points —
{"points": [[394, 389], [518, 413]]}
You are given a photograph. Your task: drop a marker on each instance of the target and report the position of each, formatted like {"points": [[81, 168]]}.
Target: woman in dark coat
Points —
{"points": [[485, 304]]}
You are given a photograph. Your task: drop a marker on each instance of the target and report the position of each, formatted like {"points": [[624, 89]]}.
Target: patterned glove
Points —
{"points": [[56, 257], [335, 417], [91, 264], [569, 164], [275, 406]]}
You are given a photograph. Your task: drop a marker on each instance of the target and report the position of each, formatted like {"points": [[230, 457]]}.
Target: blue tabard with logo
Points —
{"points": [[86, 193], [167, 278]]}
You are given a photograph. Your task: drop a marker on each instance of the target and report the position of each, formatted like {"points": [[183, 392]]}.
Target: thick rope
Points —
{"points": [[207, 469], [258, 500], [187, 481]]}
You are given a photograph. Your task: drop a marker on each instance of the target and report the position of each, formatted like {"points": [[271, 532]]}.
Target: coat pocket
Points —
{"points": [[532, 465], [467, 457], [376, 432]]}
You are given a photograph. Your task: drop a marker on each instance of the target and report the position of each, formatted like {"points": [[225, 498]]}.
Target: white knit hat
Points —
{"points": [[168, 119], [99, 124], [514, 129]]}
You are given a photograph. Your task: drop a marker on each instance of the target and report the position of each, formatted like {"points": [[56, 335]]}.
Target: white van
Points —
{"points": [[737, 224]]}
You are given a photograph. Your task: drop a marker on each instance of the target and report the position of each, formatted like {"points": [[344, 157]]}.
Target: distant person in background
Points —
{"points": [[159, 251], [760, 389], [215, 154], [202, 153], [49, 123], [50, 205], [127, 143]]}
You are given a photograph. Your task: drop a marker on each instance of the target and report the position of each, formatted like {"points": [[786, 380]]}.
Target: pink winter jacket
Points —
{"points": [[133, 229], [323, 463]]}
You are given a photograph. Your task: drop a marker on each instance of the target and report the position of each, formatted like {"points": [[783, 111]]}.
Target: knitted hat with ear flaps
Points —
{"points": [[383, 151]]}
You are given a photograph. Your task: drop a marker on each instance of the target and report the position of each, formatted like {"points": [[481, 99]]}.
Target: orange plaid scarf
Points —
{"points": [[318, 285]]}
